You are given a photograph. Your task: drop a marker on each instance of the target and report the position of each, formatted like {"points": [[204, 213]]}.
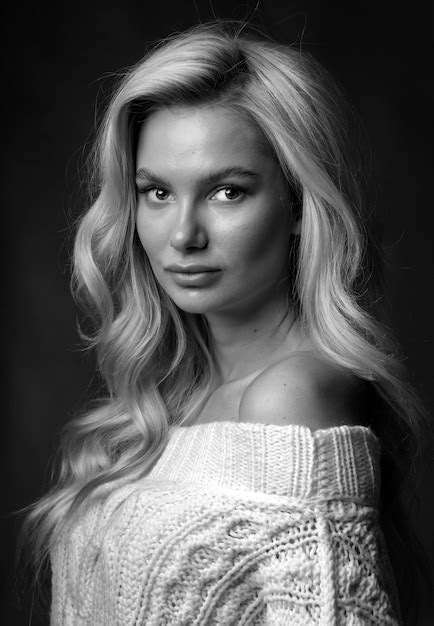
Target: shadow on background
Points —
{"points": [[59, 61]]}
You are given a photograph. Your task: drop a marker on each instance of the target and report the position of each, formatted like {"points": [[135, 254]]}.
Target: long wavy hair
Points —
{"points": [[156, 360]]}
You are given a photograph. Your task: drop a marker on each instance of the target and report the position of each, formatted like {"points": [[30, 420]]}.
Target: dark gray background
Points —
{"points": [[58, 60]]}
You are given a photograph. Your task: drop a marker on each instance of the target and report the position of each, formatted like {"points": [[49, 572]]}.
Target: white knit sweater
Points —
{"points": [[235, 524]]}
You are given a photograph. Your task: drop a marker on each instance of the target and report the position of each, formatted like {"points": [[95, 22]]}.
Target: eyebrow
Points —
{"points": [[143, 174]]}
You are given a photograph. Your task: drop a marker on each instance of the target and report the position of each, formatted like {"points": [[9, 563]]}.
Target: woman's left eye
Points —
{"points": [[229, 194]]}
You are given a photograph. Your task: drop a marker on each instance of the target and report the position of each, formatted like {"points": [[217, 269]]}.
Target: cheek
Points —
{"points": [[150, 238], [262, 241]]}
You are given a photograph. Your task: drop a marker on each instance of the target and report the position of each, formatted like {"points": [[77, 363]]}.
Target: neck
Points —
{"points": [[242, 344]]}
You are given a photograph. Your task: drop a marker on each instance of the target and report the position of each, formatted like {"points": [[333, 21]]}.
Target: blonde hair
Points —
{"points": [[155, 359]]}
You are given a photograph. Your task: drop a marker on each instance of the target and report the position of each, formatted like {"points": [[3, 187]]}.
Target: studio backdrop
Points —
{"points": [[60, 61]]}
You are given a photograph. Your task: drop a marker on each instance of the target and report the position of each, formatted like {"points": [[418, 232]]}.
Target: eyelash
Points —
{"points": [[146, 190], [241, 191]]}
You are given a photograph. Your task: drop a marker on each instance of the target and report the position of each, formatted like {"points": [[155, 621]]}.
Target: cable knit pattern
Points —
{"points": [[235, 524]]}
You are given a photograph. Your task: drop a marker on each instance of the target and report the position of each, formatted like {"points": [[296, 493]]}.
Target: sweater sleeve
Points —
{"points": [[76, 573], [81, 574], [334, 573]]}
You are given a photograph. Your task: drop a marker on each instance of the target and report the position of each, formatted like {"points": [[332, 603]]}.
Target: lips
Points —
{"points": [[191, 269], [193, 275]]}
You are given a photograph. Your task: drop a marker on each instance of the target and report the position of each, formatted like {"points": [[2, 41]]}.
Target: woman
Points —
{"points": [[232, 473]]}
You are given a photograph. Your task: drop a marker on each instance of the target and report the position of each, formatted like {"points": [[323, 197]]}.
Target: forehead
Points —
{"points": [[211, 135]]}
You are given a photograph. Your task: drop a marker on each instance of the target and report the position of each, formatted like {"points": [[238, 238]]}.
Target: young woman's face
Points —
{"points": [[213, 214]]}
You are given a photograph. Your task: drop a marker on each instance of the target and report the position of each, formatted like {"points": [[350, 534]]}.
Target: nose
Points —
{"points": [[188, 232]]}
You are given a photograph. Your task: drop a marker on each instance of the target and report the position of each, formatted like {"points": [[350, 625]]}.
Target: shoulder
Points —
{"points": [[306, 389]]}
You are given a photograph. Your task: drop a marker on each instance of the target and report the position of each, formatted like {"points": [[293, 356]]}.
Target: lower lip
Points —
{"points": [[195, 279]]}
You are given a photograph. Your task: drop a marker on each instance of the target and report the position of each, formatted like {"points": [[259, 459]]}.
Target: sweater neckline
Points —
{"points": [[260, 427], [287, 460]]}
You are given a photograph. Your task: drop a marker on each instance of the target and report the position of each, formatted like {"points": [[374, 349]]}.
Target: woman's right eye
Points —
{"points": [[156, 194]]}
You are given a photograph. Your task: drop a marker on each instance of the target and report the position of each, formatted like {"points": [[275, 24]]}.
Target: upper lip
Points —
{"points": [[190, 269]]}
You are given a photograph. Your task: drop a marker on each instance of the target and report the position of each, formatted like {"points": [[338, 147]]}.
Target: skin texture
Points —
{"points": [[188, 212], [304, 389]]}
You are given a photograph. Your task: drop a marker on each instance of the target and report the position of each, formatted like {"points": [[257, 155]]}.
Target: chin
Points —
{"points": [[196, 306], [195, 301]]}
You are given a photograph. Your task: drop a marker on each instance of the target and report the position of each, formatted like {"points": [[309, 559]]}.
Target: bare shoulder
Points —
{"points": [[307, 389]]}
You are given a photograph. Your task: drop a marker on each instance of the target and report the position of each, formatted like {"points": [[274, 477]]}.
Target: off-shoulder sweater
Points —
{"points": [[236, 524]]}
